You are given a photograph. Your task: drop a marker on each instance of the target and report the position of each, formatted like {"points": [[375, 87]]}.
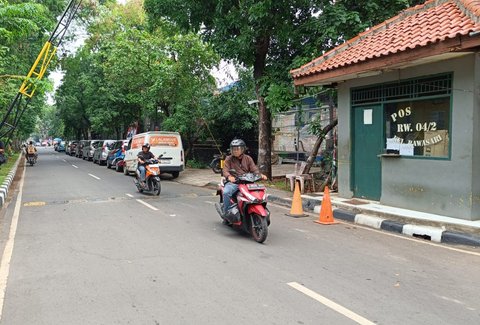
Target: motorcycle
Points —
{"points": [[217, 162], [31, 159], [152, 178], [249, 210]]}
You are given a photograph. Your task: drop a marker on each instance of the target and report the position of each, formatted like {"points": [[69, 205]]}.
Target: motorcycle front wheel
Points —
{"points": [[258, 228], [156, 187]]}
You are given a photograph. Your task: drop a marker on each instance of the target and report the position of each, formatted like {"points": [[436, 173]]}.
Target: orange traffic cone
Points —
{"points": [[297, 209], [326, 212]]}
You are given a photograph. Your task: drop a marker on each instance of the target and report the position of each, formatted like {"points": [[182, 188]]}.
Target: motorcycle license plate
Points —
{"points": [[154, 165], [255, 187]]}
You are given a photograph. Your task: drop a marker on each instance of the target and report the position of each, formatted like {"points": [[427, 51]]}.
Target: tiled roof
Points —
{"points": [[433, 22]]}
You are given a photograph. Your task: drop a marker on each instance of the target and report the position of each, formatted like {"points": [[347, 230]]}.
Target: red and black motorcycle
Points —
{"points": [[249, 210]]}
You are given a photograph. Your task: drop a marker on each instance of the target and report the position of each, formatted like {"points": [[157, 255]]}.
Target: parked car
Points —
{"points": [[100, 154], [89, 149], [167, 144], [79, 149], [72, 147], [61, 146], [119, 165], [116, 154]]}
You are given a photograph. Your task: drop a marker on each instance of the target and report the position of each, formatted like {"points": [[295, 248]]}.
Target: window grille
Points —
{"points": [[406, 89]]}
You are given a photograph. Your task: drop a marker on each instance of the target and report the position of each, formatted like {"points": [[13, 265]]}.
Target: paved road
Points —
{"points": [[86, 251]]}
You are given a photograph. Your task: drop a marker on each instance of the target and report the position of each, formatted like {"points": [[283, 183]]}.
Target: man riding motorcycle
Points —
{"points": [[142, 158], [241, 163], [31, 150]]}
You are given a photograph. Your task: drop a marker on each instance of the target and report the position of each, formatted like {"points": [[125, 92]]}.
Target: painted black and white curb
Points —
{"points": [[7, 182], [435, 234]]}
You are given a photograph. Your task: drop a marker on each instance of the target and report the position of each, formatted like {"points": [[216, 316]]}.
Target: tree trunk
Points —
{"points": [[264, 116], [316, 147], [264, 138]]}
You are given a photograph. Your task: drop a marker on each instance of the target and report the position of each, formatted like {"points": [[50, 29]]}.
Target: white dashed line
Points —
{"points": [[147, 205], [74, 166], [94, 176], [330, 304], [129, 195], [64, 160]]}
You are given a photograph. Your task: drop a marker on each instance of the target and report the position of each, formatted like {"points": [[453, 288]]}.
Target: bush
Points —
{"points": [[192, 163]]}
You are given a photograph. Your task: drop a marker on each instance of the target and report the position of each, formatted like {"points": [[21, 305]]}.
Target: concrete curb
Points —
{"points": [[435, 234], [7, 182]]}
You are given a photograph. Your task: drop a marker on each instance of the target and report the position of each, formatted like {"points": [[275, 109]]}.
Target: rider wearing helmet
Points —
{"points": [[31, 150], [142, 158], [241, 163]]}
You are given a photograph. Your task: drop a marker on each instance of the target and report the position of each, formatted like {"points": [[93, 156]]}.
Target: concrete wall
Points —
{"points": [[476, 142], [445, 187]]}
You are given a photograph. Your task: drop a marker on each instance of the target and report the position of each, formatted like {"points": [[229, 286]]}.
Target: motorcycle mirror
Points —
{"points": [[233, 172]]}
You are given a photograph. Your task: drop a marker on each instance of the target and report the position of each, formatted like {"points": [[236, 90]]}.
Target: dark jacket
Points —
{"points": [[243, 164]]}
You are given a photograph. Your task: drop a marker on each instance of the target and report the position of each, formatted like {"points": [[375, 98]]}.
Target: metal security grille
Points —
{"points": [[407, 89]]}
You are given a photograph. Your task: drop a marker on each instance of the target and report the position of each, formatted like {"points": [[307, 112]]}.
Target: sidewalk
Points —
{"points": [[368, 213]]}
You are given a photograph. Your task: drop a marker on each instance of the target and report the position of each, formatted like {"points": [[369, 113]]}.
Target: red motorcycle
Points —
{"points": [[249, 207]]}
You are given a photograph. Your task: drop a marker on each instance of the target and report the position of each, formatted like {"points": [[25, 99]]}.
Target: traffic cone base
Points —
{"points": [[326, 212], [297, 209]]}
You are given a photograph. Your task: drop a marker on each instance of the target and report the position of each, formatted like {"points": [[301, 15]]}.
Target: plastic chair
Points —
{"points": [[300, 176]]}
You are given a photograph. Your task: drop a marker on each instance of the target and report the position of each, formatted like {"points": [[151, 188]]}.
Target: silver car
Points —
{"points": [[89, 149], [101, 152]]}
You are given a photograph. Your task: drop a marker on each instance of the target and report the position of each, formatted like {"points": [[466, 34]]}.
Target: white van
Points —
{"points": [[168, 144]]}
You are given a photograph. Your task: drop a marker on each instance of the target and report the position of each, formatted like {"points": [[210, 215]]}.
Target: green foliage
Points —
{"points": [[7, 167], [126, 73], [229, 115], [23, 32], [192, 163]]}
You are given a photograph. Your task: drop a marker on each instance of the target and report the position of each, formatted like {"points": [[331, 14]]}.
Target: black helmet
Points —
{"points": [[146, 145], [31, 142], [238, 143]]}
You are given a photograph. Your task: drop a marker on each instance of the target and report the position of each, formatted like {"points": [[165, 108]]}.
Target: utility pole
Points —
{"points": [[19, 104]]}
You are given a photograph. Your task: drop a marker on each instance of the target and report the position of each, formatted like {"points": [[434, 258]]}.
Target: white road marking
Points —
{"points": [[210, 202], [7, 253], [147, 205], [386, 233], [129, 195], [330, 304], [94, 176], [64, 160], [74, 166], [300, 230]]}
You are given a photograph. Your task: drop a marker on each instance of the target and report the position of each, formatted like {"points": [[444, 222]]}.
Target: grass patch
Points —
{"points": [[278, 184], [7, 167]]}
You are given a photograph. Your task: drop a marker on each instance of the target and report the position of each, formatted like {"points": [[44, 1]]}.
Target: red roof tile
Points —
{"points": [[434, 21]]}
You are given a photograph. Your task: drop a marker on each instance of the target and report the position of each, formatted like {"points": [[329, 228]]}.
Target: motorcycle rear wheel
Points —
{"points": [[258, 228], [216, 166]]}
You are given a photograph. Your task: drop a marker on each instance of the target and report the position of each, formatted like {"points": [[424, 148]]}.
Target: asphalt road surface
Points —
{"points": [[81, 246]]}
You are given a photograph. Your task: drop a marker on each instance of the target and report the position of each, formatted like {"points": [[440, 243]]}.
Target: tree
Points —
{"points": [[271, 37], [126, 73]]}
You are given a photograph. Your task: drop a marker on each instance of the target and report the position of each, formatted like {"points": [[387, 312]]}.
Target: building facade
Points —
{"points": [[409, 109]]}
